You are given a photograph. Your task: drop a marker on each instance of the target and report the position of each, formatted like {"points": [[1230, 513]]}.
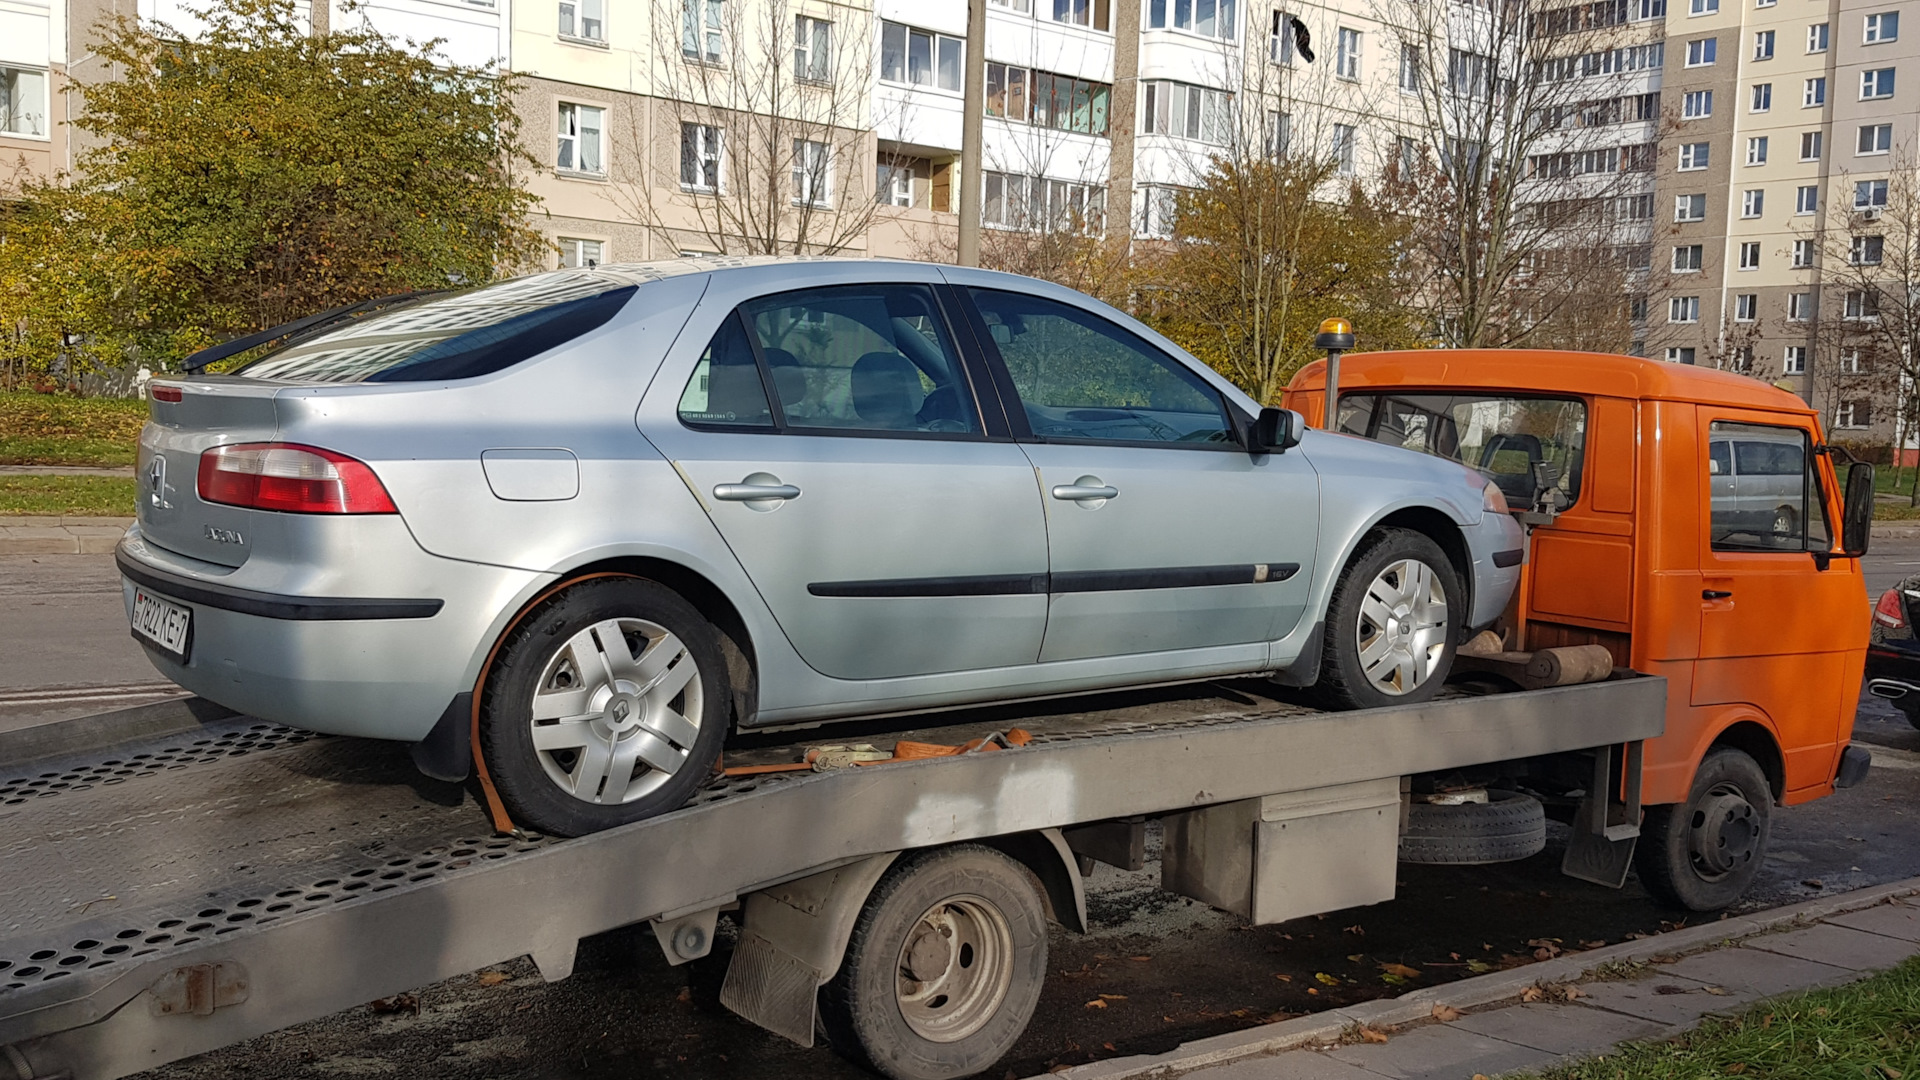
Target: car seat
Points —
{"points": [[886, 390]]}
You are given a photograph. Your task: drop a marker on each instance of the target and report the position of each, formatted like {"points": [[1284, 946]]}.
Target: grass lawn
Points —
{"points": [[48, 429], [77, 496], [1867, 1031]]}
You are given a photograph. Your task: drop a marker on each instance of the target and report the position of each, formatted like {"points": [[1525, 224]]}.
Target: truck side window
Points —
{"points": [[1502, 437], [1765, 493]]}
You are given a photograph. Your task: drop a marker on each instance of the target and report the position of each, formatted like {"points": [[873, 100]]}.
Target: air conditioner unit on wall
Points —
{"points": [[1868, 213]]}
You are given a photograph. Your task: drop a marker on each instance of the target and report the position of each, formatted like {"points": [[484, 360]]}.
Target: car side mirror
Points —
{"points": [[1274, 431], [1856, 514]]}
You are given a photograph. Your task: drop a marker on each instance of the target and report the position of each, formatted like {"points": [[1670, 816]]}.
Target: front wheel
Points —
{"points": [[1703, 854], [1391, 623], [606, 705]]}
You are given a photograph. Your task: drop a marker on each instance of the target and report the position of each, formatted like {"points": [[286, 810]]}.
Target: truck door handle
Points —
{"points": [[1716, 594], [754, 492], [1083, 492]]}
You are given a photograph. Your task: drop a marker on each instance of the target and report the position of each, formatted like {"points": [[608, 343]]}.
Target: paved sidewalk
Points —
{"points": [[1547, 1013], [60, 535]]}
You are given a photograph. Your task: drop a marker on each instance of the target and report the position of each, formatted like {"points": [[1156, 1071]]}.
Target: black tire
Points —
{"points": [[1343, 682], [1507, 827], [520, 773], [1727, 817], [1785, 522], [861, 1008]]}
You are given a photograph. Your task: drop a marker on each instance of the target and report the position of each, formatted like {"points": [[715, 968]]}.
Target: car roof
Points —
{"points": [[1551, 371], [640, 272]]}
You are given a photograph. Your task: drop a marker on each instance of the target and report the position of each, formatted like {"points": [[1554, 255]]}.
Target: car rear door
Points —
{"points": [[889, 532], [1163, 533]]}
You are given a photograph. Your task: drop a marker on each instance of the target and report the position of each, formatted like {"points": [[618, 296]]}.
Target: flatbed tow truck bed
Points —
{"points": [[163, 898]]}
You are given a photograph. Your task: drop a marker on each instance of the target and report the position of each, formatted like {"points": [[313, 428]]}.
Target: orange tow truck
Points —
{"points": [[1691, 521]]}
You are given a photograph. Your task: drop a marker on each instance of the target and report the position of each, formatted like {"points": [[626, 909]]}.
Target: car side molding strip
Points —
{"points": [[274, 605], [1077, 581]]}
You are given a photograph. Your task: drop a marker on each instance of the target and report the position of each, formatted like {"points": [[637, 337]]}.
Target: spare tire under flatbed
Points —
{"points": [[1507, 827]]}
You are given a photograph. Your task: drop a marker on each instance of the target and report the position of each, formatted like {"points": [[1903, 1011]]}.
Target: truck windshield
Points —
{"points": [[1504, 437]]}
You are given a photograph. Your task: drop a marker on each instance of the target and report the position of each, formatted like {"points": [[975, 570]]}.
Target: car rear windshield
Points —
{"points": [[452, 336], [1505, 438]]}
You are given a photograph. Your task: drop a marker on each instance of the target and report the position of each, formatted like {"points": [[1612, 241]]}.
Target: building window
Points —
{"points": [[1700, 51], [700, 29], [702, 157], [1279, 133], [1068, 104], [1799, 307], [1638, 256], [1763, 45], [1867, 250], [1690, 207], [1636, 207], [1696, 104], [812, 173], [1683, 309], [1753, 203], [1208, 18], [1740, 358], [1343, 138], [1764, 3], [1007, 92], [1794, 362], [1762, 96], [1750, 255], [1694, 156], [1756, 150], [576, 254], [1637, 308], [1806, 199], [1863, 304], [1853, 414], [1877, 83], [1346, 57], [1817, 38], [1702, 7], [1085, 13], [1875, 139], [1810, 145], [1814, 94], [1190, 112], [1884, 26], [1642, 10], [1802, 254], [23, 101], [1018, 7], [812, 49], [1410, 69], [893, 186], [1680, 355], [583, 19], [1280, 39], [1868, 194], [1034, 202], [1159, 209], [1746, 307], [1406, 158], [582, 129], [1686, 258], [920, 57]]}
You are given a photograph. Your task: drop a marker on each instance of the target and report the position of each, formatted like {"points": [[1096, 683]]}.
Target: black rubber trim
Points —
{"points": [[1504, 559], [1079, 581], [274, 605]]}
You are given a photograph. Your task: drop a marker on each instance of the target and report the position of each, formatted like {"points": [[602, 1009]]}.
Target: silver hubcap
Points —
{"points": [[955, 968], [616, 711], [1403, 627]]}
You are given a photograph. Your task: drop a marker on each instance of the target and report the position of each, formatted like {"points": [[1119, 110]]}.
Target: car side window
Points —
{"points": [[1081, 378], [725, 389], [1769, 500]]}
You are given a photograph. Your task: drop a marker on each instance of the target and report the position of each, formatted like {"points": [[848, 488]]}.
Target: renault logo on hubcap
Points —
{"points": [[621, 710]]}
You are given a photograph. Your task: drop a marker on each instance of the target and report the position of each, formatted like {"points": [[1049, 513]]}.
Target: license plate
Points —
{"points": [[164, 624]]}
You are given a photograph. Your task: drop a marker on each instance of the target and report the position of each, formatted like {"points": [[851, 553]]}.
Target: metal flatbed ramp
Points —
{"points": [[250, 878]]}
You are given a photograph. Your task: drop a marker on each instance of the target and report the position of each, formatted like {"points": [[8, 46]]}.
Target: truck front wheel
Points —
{"points": [[1703, 854], [943, 969]]}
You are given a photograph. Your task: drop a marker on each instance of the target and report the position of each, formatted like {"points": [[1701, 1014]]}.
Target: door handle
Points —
{"points": [[1716, 594], [754, 492], [1082, 492]]}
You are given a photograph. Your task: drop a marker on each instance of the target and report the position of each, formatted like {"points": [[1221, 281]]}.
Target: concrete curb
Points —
{"points": [[1481, 990], [58, 737], [61, 535], [1896, 532]]}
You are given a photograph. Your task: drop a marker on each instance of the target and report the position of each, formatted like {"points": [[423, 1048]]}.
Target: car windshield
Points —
{"points": [[454, 336], [1505, 438]]}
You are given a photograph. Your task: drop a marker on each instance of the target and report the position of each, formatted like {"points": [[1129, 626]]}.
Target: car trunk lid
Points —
{"points": [[207, 413]]}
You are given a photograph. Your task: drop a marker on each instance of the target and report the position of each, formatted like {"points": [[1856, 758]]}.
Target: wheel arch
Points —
{"points": [[1757, 741], [1436, 525]]}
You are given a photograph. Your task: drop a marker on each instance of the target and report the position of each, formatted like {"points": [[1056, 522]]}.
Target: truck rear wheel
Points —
{"points": [[1703, 854], [943, 969]]}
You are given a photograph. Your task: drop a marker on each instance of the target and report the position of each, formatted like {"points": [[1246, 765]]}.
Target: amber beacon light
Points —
{"points": [[1335, 336]]}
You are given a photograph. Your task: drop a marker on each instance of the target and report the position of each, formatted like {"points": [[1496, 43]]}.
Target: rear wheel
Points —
{"points": [[1391, 623], [1703, 854], [944, 967], [1785, 522], [606, 705]]}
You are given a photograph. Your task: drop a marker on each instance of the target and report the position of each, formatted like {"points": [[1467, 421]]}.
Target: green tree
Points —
{"points": [[256, 173]]}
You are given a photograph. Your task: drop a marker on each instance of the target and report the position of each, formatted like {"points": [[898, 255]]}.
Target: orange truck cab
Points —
{"points": [[1691, 521]]}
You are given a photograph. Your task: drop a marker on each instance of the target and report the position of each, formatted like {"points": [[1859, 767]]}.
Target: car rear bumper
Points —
{"points": [[1894, 674], [373, 646]]}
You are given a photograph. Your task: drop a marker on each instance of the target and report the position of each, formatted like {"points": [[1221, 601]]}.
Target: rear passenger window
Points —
{"points": [[866, 358], [1765, 494]]}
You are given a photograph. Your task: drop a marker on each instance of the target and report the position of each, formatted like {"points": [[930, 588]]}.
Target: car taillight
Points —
{"points": [[1890, 611], [290, 477], [167, 393]]}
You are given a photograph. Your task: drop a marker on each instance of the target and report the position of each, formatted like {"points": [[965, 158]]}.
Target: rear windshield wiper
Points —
{"points": [[312, 324]]}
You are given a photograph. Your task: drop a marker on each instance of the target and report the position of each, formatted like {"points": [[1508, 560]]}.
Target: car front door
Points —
{"points": [[1163, 533], [835, 439]]}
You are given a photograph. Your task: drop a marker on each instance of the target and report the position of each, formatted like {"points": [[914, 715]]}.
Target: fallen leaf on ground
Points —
{"points": [[1669, 988], [1479, 967], [1325, 979], [493, 978], [1532, 994], [1108, 1046], [1592, 944], [1113, 997], [1401, 970], [1139, 959], [1357, 930], [1096, 1003], [1356, 957], [398, 1003], [1446, 1014], [1283, 978], [1718, 991], [1372, 1036]]}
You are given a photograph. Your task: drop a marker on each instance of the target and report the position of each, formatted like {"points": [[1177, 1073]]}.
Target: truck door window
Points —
{"points": [[1502, 437], [1765, 493]]}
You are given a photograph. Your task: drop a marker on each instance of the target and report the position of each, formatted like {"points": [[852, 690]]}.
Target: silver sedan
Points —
{"points": [[584, 523]]}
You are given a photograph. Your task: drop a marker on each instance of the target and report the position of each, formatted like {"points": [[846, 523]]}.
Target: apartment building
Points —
{"points": [[33, 50], [1791, 117]]}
